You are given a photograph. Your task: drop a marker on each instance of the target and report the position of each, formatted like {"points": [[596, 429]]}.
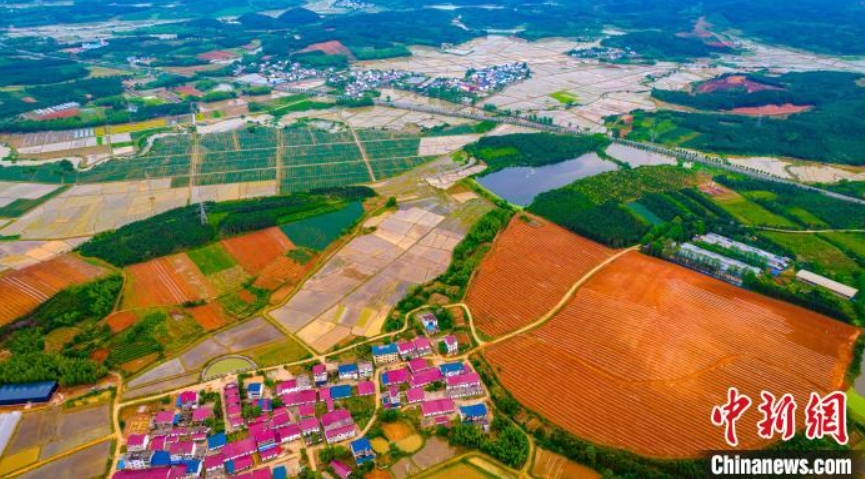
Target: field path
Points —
{"points": [[781, 230], [362, 153], [552, 312]]}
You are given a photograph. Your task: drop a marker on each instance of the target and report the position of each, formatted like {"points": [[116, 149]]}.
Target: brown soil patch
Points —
{"points": [[210, 316], [281, 293], [333, 47], [732, 82], [459, 316], [165, 281], [771, 110], [530, 267], [282, 270], [121, 320], [138, 364], [22, 291], [99, 355], [396, 431], [644, 350], [254, 251]]}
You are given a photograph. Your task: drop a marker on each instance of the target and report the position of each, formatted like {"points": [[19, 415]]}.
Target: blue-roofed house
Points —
{"points": [[430, 322], [279, 472], [254, 390], [387, 353], [473, 412], [23, 393], [452, 369], [160, 458], [342, 391], [348, 372], [362, 451], [193, 467], [265, 404], [216, 441]]}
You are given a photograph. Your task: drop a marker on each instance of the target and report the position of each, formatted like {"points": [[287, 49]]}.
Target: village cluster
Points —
{"points": [[266, 421], [476, 83]]}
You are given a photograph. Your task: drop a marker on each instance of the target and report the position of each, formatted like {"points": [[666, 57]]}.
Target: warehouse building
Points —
{"points": [[23, 393], [835, 287]]}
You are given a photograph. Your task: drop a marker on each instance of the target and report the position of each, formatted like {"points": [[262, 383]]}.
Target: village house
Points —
{"points": [[415, 395], [288, 432], [319, 374], [187, 399], [364, 369], [216, 441], [309, 426], [214, 464], [348, 372], [300, 397], [362, 451], [137, 442], [464, 385], [254, 390], [387, 353], [429, 321], [437, 407], [365, 388], [452, 346], [452, 369], [340, 469], [395, 377]]}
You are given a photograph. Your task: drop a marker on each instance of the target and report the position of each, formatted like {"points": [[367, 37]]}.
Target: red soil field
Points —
{"points": [[333, 47], [734, 81], [121, 320], [210, 316], [22, 291], [646, 348], [771, 110], [163, 282], [254, 251], [530, 267], [280, 271]]}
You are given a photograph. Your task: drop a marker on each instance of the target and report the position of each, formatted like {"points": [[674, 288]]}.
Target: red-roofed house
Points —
{"points": [[270, 453], [335, 419], [168, 472], [265, 439], [158, 443], [202, 414], [309, 426], [284, 387], [137, 442], [187, 399], [340, 433], [415, 395], [238, 449], [182, 450], [324, 394], [306, 410], [437, 407], [280, 417], [427, 376], [263, 473], [163, 418], [299, 397], [365, 388], [289, 432], [340, 469], [242, 463], [468, 384], [406, 349], [417, 365], [214, 463], [423, 347], [395, 377]]}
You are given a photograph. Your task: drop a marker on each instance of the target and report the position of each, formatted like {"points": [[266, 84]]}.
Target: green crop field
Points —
{"points": [[564, 97], [751, 213], [644, 213], [812, 249], [852, 243], [319, 231], [285, 351], [211, 259]]}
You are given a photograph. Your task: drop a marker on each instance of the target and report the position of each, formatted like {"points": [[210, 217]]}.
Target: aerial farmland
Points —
{"points": [[388, 239]]}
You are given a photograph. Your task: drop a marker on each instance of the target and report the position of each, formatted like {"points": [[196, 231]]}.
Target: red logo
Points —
{"points": [[824, 416], [729, 413]]}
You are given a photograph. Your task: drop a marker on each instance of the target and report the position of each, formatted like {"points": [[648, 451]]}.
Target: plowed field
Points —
{"points": [[210, 316], [255, 251], [282, 270], [530, 267], [646, 348], [121, 320], [23, 290], [165, 281]]}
